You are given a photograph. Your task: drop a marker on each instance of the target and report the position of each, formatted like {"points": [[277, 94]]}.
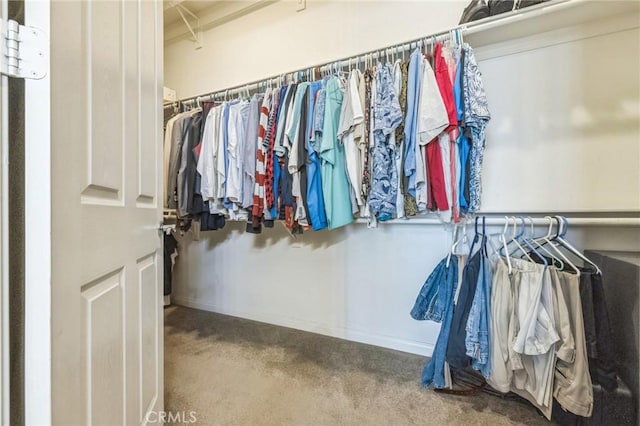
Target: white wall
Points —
{"points": [[564, 138], [278, 39]]}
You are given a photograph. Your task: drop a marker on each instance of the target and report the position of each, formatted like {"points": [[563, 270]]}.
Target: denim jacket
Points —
{"points": [[431, 301], [435, 302]]}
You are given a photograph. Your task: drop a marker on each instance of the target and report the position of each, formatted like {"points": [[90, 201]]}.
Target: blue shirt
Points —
{"points": [[335, 183], [414, 77], [315, 200]]}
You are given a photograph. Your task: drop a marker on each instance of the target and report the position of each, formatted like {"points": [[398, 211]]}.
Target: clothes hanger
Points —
{"points": [[462, 245], [454, 234], [526, 242], [546, 239], [503, 240], [476, 236], [560, 238], [514, 240], [539, 246]]}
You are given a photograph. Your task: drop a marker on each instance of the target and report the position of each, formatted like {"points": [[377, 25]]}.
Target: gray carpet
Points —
{"points": [[232, 371]]}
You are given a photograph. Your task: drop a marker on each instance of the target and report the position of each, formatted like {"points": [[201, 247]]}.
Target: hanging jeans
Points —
{"points": [[477, 340], [456, 349], [435, 303]]}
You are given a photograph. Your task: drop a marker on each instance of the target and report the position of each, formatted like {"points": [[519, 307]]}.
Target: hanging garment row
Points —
{"points": [[524, 315], [392, 141]]}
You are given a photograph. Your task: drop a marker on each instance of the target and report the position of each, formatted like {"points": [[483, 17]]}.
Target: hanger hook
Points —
{"points": [[565, 228]]}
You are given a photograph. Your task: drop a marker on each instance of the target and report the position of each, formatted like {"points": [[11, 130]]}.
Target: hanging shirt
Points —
{"points": [[318, 118], [296, 161], [250, 149], [272, 172], [445, 86], [398, 137], [186, 172], [168, 144], [261, 154], [206, 162], [433, 120], [414, 84], [315, 199], [238, 115], [387, 116], [178, 134], [335, 184], [279, 147], [302, 212], [223, 158], [462, 142], [476, 117], [351, 117]]}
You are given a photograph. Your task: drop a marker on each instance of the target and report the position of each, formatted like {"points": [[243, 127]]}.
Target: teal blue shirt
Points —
{"points": [[335, 183]]}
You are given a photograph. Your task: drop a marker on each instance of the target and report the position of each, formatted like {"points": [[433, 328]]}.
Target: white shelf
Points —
{"points": [[544, 17]]}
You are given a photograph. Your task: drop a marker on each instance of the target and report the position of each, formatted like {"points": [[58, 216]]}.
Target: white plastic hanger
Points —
{"points": [[503, 240], [547, 240], [515, 236], [531, 240], [454, 234], [562, 230]]}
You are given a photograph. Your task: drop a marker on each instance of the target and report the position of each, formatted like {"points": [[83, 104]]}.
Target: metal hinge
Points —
{"points": [[23, 51]]}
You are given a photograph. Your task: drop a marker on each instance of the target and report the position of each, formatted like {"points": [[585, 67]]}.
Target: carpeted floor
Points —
{"points": [[232, 371]]}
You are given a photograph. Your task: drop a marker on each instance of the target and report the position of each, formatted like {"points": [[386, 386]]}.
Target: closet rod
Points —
{"points": [[469, 28], [325, 66], [633, 222]]}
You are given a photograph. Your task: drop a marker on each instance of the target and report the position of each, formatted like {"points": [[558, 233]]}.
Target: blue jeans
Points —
{"points": [[435, 303], [477, 340]]}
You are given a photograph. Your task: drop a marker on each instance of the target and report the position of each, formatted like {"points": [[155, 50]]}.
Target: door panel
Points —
{"points": [[148, 181], [107, 258], [103, 337], [103, 65], [148, 329]]}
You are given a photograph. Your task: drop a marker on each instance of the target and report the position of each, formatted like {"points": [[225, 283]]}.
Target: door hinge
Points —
{"points": [[24, 51]]}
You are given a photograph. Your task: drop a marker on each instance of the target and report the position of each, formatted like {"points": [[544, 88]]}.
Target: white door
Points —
{"points": [[106, 256]]}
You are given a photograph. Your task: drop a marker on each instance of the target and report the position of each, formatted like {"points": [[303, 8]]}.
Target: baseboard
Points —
{"points": [[413, 347]]}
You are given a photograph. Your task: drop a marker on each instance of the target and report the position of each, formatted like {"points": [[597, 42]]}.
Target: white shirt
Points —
{"points": [[221, 156], [352, 116], [206, 161], [432, 113], [238, 114]]}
